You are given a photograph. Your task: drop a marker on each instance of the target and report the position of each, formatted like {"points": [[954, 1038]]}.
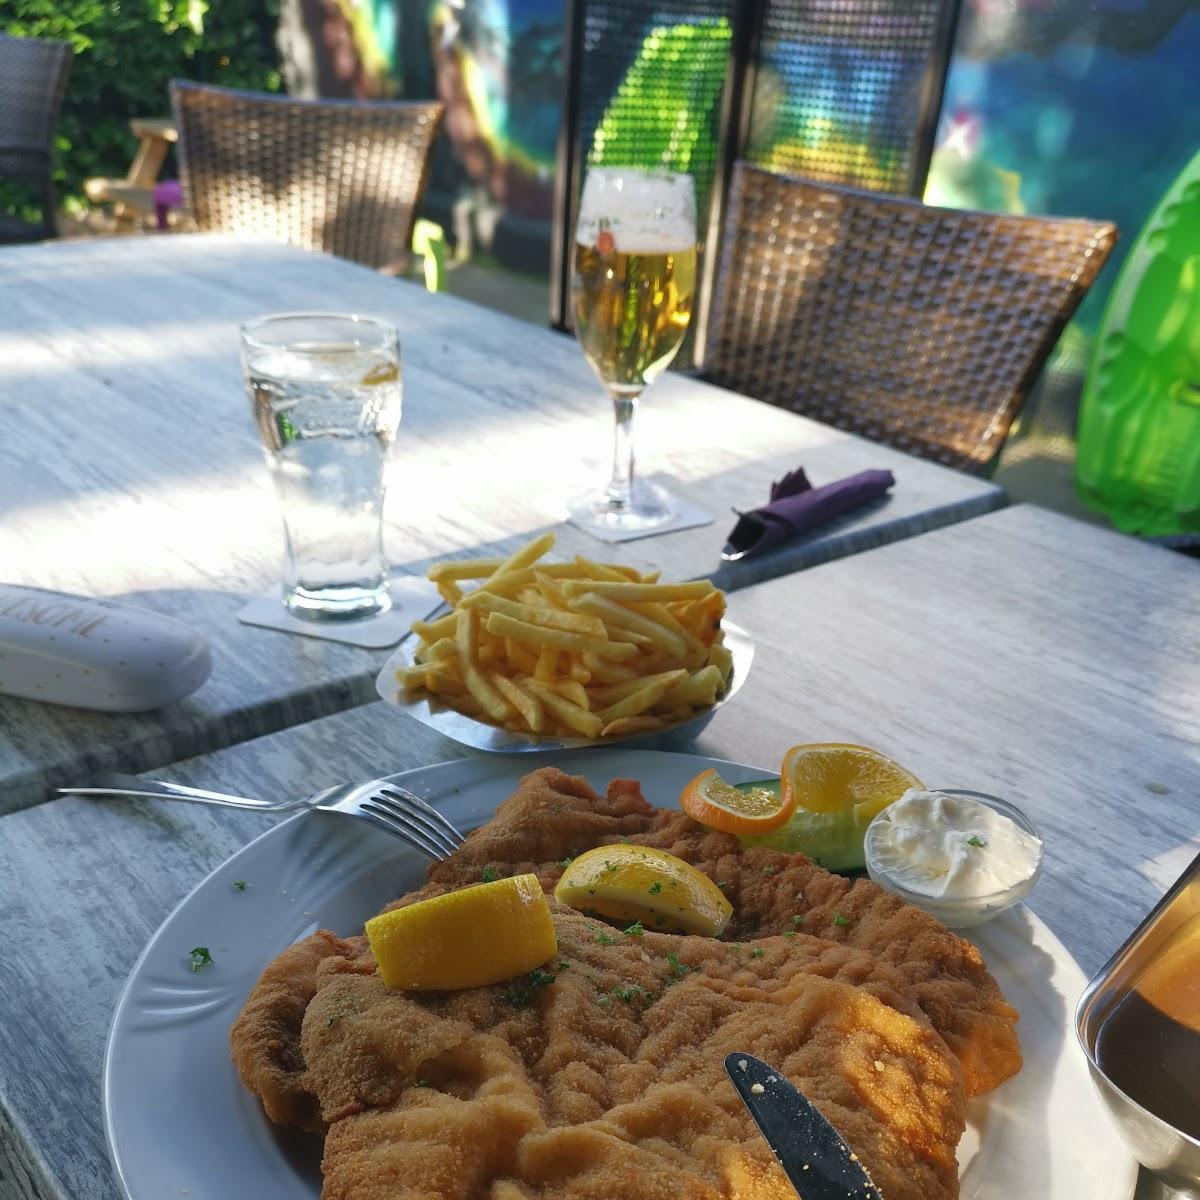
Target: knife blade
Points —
{"points": [[811, 1152]]}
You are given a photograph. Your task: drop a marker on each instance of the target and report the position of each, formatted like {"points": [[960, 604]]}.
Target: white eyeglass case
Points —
{"points": [[99, 654]]}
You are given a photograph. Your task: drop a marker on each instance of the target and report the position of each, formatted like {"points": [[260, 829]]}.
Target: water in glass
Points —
{"points": [[327, 405]]}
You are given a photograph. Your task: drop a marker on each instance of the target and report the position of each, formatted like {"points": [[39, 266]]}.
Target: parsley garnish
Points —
{"points": [[679, 969], [797, 920], [757, 952], [623, 993], [200, 958], [655, 887], [566, 862], [976, 840], [521, 992], [422, 1083], [563, 964], [838, 919], [790, 935], [768, 870], [240, 885], [489, 876], [605, 940], [635, 930], [332, 1018]]}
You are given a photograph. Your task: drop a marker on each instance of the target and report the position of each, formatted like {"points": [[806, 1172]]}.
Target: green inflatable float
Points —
{"points": [[1139, 420]]}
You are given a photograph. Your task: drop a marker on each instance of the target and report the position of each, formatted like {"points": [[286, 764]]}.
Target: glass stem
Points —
{"points": [[620, 487]]}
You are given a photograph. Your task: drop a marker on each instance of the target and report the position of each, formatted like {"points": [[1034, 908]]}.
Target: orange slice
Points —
{"points": [[828, 777], [469, 938], [717, 804]]}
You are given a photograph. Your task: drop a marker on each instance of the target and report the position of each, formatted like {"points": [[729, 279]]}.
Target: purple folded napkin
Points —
{"points": [[796, 507]]}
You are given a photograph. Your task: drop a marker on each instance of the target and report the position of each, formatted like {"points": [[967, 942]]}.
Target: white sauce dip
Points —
{"points": [[951, 847]]}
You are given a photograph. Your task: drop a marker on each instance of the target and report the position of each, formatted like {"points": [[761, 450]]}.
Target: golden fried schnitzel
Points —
{"points": [[604, 1077]]}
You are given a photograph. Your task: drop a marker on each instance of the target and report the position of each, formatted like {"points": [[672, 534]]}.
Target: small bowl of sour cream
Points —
{"points": [[962, 856]]}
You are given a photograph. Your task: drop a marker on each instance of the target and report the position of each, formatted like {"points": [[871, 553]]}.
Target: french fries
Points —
{"points": [[580, 649]]}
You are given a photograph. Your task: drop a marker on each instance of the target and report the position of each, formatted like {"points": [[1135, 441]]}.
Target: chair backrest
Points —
{"points": [[33, 77], [920, 327], [335, 175], [849, 91]]}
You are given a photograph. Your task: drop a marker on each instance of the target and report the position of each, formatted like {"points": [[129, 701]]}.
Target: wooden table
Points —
{"points": [[1023, 653], [130, 468]]}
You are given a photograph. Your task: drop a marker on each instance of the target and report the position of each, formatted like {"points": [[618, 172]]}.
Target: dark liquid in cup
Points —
{"points": [[1149, 1045]]}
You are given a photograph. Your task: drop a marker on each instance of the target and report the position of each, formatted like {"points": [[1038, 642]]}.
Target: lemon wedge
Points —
{"points": [[470, 938], [637, 883]]}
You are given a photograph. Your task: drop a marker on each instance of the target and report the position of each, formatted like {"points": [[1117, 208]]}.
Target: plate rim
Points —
{"points": [[482, 763]]}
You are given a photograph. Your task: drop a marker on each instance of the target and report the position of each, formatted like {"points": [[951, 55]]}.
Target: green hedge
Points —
{"points": [[125, 52]]}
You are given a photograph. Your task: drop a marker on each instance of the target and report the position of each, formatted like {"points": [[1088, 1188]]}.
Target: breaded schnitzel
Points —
{"points": [[633, 1101], [606, 1078]]}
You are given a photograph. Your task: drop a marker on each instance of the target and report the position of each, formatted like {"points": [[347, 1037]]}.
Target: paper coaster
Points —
{"points": [[412, 599], [687, 516]]}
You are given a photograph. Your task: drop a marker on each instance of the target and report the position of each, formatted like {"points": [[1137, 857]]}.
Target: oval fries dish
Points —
{"points": [[540, 656]]}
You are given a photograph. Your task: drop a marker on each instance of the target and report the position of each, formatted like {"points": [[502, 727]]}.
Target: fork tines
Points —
{"points": [[419, 824]]}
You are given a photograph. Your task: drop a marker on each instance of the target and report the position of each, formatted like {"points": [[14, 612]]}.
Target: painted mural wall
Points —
{"points": [[1073, 107]]}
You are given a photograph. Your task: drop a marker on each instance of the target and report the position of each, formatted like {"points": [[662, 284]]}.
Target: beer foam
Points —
{"points": [[647, 212]]}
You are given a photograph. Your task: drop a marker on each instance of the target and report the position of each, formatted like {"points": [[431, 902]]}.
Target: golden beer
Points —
{"points": [[632, 310], [632, 287]]}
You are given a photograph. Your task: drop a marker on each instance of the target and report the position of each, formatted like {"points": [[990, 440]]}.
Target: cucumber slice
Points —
{"points": [[832, 840]]}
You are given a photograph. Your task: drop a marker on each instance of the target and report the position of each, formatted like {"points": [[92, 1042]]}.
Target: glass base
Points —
{"points": [[350, 602], [649, 507]]}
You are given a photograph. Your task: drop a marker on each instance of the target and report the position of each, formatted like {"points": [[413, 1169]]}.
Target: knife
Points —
{"points": [[812, 1153]]}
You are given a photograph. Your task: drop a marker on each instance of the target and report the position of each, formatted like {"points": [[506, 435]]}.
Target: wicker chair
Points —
{"points": [[916, 326], [332, 175], [33, 77]]}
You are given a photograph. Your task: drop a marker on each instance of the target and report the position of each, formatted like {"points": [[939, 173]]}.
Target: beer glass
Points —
{"points": [[325, 388], [632, 285]]}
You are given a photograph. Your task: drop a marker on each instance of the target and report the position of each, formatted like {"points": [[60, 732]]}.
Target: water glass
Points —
{"points": [[325, 390]]}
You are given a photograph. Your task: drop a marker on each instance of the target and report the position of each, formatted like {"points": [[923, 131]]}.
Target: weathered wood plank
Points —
{"points": [[130, 468]]}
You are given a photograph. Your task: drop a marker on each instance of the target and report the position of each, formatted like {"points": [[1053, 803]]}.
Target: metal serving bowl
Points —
{"points": [[479, 735], [1172, 1155]]}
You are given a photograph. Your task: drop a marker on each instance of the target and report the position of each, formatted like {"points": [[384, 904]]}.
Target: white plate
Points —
{"points": [[179, 1123], [479, 735]]}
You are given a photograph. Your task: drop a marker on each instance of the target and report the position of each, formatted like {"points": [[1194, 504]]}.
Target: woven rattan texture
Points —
{"points": [[337, 175], [838, 88], [916, 326], [33, 76]]}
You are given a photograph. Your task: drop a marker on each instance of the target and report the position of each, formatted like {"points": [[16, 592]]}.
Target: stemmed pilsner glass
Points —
{"points": [[632, 286]]}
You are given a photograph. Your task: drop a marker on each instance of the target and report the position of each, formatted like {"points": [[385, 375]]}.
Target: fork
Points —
{"points": [[379, 802]]}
